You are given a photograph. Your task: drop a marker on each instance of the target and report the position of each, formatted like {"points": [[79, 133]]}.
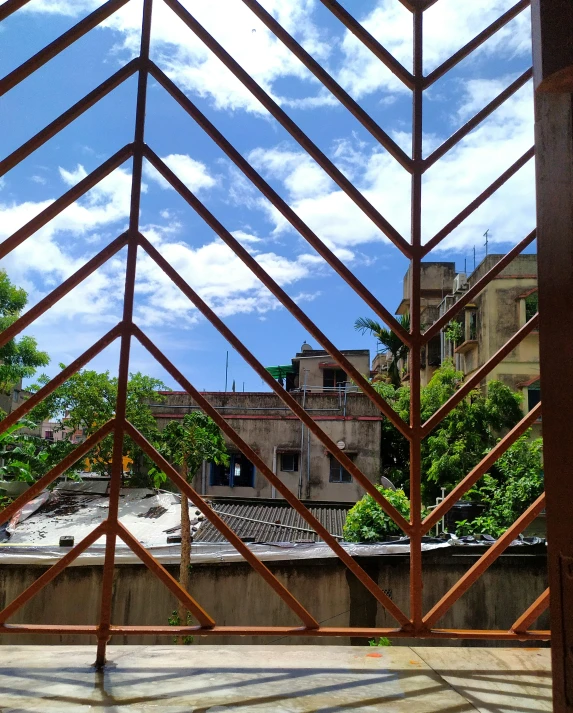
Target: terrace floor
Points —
{"points": [[282, 679]]}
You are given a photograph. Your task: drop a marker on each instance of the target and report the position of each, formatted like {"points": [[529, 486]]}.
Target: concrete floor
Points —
{"points": [[281, 679]]}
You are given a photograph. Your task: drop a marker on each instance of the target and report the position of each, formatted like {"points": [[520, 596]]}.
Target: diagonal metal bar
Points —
{"points": [[36, 488], [475, 204], [481, 468], [484, 562], [478, 375], [68, 116], [292, 128], [60, 44], [335, 263], [468, 296], [276, 482], [59, 379], [473, 44], [275, 289], [332, 85], [285, 397], [10, 6], [161, 573], [371, 42], [184, 487], [532, 613], [51, 573], [64, 201], [477, 119], [67, 286]]}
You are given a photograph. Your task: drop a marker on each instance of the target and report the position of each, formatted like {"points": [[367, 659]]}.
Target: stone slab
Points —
{"points": [[281, 679]]}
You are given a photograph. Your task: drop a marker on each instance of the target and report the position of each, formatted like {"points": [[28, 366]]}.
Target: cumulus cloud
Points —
{"points": [[194, 174]]}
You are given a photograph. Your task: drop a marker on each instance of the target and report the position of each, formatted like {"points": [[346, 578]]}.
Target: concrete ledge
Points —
{"points": [[278, 679]]}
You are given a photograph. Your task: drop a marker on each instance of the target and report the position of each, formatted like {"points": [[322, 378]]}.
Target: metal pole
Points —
{"points": [[553, 80], [226, 370]]}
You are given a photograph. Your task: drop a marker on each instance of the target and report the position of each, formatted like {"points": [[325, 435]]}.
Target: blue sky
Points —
{"points": [[190, 246]]}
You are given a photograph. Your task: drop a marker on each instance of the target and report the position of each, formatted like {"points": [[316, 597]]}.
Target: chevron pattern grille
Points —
{"points": [[417, 623]]}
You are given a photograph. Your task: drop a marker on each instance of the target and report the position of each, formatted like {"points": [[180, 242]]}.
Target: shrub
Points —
{"points": [[367, 522]]}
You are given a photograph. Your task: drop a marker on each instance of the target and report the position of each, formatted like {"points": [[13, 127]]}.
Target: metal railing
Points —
{"points": [[417, 622]]}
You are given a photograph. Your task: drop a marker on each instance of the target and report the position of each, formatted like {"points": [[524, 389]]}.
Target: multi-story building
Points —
{"points": [[486, 324], [299, 459]]}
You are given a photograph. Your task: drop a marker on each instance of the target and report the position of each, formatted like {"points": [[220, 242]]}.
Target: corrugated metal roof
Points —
{"points": [[272, 520]]}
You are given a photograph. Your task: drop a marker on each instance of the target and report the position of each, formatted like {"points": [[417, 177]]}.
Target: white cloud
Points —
{"points": [[38, 179], [194, 174]]}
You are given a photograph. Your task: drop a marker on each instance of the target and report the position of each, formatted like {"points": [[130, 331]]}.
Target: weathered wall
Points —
{"points": [[269, 428], [236, 595]]}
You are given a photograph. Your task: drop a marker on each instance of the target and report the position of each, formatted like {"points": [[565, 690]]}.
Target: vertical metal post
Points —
{"points": [[103, 634], [415, 310], [553, 77]]}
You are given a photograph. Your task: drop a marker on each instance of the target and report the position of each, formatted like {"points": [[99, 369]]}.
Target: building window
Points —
{"points": [[289, 462], [333, 377], [239, 473], [472, 325], [533, 397], [49, 435], [338, 474], [531, 305]]}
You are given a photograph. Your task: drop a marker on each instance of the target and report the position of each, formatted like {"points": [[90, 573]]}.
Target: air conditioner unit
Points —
{"points": [[460, 282]]}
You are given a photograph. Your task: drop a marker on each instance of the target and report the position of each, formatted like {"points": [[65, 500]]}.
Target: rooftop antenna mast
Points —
{"points": [[486, 236]]}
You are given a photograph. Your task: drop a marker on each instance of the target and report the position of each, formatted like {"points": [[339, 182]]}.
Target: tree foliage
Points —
{"points": [[367, 522], [461, 439], [389, 341], [88, 399], [19, 358]]}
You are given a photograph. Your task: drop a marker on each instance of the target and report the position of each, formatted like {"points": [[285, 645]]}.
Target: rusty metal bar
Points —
{"points": [[10, 6], [67, 286], [291, 127], [36, 488], [161, 573], [285, 397], [51, 573], [64, 201], [276, 482], [414, 355], [478, 375], [481, 468], [469, 295], [478, 40], [475, 204], [371, 42], [533, 613], [60, 44], [474, 572], [332, 85], [69, 116], [185, 488], [59, 379], [479, 634], [125, 347], [286, 211], [462, 132], [273, 287]]}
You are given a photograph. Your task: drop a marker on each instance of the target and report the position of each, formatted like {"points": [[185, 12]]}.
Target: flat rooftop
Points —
{"points": [[276, 679]]}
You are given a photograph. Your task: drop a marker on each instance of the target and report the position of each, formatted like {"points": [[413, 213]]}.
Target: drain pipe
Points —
{"points": [[302, 438], [273, 489]]}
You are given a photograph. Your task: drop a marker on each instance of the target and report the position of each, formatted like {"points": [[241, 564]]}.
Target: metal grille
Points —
{"points": [[416, 623]]}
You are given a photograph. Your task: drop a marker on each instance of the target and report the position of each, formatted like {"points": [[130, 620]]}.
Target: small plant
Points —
{"points": [[454, 332], [174, 620], [382, 641]]}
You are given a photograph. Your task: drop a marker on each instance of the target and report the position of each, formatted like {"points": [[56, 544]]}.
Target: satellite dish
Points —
{"points": [[388, 484], [341, 445]]}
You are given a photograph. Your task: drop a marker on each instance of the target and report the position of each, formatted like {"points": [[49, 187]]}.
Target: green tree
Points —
{"points": [[367, 522], [186, 444], [19, 358], [88, 399], [461, 439], [390, 342]]}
